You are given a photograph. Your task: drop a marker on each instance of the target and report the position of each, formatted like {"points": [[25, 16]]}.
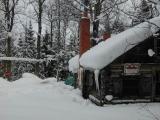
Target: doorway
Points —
{"points": [[130, 87]]}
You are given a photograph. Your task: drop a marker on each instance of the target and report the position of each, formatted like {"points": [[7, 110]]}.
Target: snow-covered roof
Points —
{"points": [[74, 64], [105, 52]]}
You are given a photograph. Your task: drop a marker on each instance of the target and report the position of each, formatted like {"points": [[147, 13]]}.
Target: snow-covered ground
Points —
{"points": [[31, 98]]}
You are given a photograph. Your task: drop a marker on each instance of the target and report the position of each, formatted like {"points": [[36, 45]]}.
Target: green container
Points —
{"points": [[70, 80]]}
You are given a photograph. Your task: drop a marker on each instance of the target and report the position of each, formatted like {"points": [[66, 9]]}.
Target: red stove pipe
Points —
{"points": [[84, 34]]}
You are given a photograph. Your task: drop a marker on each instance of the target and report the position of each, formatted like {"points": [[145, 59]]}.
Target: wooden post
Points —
{"points": [[8, 63], [153, 84]]}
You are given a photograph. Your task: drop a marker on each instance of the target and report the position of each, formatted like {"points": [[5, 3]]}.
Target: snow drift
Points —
{"points": [[105, 52]]}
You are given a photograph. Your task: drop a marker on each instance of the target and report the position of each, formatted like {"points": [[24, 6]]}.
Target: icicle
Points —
{"points": [[80, 76], [96, 74]]}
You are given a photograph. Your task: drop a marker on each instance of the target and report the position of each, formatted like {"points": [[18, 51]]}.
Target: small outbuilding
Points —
{"points": [[125, 67]]}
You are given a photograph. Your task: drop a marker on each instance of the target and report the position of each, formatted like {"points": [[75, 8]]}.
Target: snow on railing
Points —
{"points": [[25, 59]]}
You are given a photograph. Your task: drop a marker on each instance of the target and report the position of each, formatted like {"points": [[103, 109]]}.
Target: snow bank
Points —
{"points": [[4, 82], [30, 75], [27, 79], [74, 64], [105, 52]]}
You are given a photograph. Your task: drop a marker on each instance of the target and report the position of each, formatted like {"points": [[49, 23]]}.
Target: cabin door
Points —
{"points": [[158, 84], [130, 87]]}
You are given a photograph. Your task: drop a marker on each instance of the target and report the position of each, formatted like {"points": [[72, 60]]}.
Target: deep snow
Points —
{"points": [[31, 98]]}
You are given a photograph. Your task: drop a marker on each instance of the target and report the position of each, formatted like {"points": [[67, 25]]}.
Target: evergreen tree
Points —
{"points": [[20, 67], [118, 26], [44, 53], [22, 47], [57, 58], [2, 40], [73, 47], [26, 49], [143, 13], [45, 45], [50, 66], [145, 10], [30, 40], [2, 48]]}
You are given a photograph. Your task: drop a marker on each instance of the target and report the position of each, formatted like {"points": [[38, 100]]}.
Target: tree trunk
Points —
{"points": [[59, 24], [51, 42], [9, 23], [8, 54], [40, 10], [97, 12]]}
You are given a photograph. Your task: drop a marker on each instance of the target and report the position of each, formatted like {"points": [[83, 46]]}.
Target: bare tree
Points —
{"points": [[8, 8], [38, 6], [51, 18], [101, 13]]}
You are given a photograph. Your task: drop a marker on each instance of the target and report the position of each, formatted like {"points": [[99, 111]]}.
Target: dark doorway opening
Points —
{"points": [[130, 87], [158, 89]]}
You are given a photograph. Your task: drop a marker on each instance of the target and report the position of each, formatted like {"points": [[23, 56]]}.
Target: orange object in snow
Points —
{"points": [[106, 36], [7, 74], [84, 35]]}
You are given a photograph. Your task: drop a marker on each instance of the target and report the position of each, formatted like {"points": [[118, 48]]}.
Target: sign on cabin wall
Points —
{"points": [[131, 68]]}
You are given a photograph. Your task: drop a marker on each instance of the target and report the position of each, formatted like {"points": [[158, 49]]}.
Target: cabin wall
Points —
{"points": [[139, 54], [145, 84]]}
